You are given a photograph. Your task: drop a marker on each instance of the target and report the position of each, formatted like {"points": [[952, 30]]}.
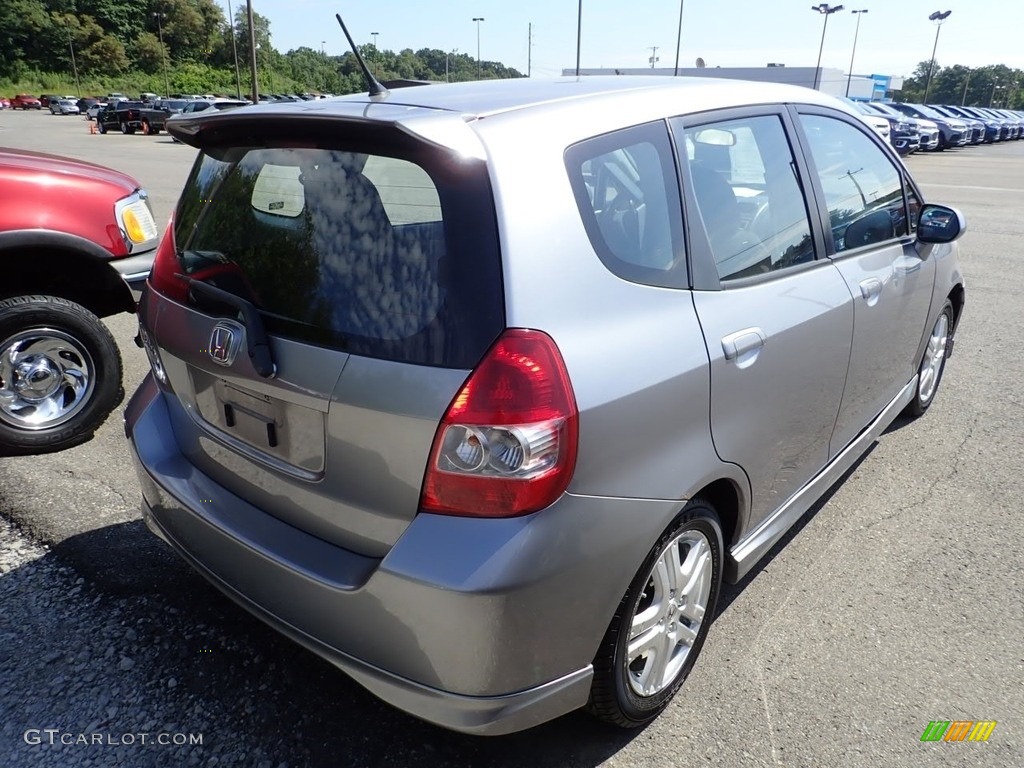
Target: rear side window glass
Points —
{"points": [[385, 257], [627, 193], [863, 189]]}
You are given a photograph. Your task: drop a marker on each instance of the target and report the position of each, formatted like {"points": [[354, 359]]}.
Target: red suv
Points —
{"points": [[24, 101], [77, 241]]}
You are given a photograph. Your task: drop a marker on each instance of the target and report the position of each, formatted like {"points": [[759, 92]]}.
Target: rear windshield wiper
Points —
{"points": [[256, 340]]}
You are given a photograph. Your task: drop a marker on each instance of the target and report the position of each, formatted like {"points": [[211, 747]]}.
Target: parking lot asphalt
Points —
{"points": [[898, 600]]}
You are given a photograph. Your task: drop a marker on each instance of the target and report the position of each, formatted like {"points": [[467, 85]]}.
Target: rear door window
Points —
{"points": [[748, 195], [376, 255]]}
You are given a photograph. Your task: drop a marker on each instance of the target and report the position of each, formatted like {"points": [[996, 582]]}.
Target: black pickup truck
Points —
{"points": [[154, 116], [125, 115]]}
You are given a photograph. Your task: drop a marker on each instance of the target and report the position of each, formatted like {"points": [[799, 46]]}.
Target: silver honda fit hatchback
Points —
{"points": [[480, 390]]}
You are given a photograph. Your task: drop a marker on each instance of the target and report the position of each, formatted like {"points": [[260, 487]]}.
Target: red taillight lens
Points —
{"points": [[507, 444], [165, 266]]}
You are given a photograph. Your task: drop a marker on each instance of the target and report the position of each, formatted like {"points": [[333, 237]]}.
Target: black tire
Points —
{"points": [[925, 393], [100, 126], [127, 129], [153, 131], [613, 698], [102, 359]]}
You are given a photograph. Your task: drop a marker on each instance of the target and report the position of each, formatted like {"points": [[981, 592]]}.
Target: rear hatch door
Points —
{"points": [[370, 259]]}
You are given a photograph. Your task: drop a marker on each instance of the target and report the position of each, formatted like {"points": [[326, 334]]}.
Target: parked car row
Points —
{"points": [[913, 127]]}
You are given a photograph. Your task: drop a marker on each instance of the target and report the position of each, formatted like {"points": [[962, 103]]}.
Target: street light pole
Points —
{"points": [[679, 37], [856, 32], [234, 53], [74, 66], [478, 19], [825, 10], [252, 55], [579, 34], [376, 55], [967, 81], [938, 17], [163, 51]]}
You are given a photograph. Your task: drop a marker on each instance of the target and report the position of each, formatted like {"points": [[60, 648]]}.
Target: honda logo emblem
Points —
{"points": [[224, 343]]}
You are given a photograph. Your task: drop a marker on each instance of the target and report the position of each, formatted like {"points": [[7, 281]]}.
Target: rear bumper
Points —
{"points": [[481, 626]]}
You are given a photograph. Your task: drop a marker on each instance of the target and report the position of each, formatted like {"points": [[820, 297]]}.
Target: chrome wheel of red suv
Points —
{"points": [[60, 373]]}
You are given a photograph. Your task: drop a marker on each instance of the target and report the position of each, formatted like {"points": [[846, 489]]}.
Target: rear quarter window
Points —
{"points": [[627, 193]]}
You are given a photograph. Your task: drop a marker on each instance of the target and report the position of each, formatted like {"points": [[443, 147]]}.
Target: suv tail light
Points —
{"points": [[507, 444], [165, 266]]}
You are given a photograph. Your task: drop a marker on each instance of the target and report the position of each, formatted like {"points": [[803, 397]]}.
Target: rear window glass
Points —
{"points": [[377, 255]]}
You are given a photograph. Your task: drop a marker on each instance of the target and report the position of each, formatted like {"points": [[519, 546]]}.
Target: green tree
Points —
{"points": [[106, 55], [122, 19], [148, 54]]}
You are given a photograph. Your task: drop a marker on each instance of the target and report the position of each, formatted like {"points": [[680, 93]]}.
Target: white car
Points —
{"points": [[94, 110], [878, 124], [63, 107]]}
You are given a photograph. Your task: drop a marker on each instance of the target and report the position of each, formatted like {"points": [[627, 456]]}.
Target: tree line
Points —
{"points": [[130, 45], [995, 85]]}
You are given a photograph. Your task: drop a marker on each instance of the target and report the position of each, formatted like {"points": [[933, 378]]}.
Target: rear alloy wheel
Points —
{"points": [[929, 374], [60, 374], [662, 622]]}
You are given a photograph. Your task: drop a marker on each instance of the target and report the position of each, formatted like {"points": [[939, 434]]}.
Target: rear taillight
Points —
{"points": [[507, 444], [165, 266]]}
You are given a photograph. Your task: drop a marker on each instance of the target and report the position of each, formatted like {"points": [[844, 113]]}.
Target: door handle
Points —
{"points": [[871, 289], [740, 343]]}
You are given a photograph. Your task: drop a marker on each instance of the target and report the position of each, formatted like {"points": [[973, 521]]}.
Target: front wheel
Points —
{"points": [[929, 373], [661, 623], [60, 374], [100, 126]]}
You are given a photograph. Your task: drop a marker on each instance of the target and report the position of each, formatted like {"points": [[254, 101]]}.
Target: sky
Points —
{"points": [[894, 35]]}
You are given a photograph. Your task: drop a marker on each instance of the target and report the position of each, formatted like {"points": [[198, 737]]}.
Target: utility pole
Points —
{"points": [[967, 82], [654, 50]]}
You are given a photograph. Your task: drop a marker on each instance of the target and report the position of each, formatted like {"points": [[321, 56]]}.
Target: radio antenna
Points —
{"points": [[374, 86]]}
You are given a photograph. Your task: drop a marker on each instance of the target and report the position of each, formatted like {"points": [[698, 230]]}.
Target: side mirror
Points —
{"points": [[939, 224]]}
